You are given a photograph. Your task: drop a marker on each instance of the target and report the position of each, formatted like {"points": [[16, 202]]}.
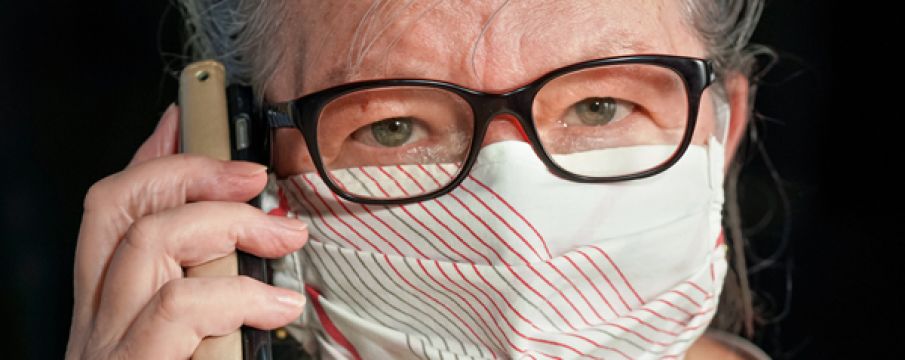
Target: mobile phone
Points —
{"points": [[220, 121]]}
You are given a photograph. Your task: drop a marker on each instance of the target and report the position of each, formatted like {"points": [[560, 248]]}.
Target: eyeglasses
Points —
{"points": [[399, 141]]}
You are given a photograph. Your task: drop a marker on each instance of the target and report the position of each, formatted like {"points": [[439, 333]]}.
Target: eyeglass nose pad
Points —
{"points": [[504, 127]]}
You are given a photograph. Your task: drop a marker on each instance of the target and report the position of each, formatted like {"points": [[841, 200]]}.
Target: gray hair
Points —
{"points": [[231, 31]]}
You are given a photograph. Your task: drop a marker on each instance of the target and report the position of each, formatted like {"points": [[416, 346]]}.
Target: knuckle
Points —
{"points": [[237, 230], [245, 219], [246, 287], [184, 161], [102, 191], [172, 300], [99, 193], [245, 284], [142, 232]]}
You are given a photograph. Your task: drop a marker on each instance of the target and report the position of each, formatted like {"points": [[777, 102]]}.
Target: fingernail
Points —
{"points": [[244, 168], [169, 125], [168, 112], [291, 299], [289, 223]]}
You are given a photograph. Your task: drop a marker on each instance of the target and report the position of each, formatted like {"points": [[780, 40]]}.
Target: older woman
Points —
{"points": [[497, 179]]}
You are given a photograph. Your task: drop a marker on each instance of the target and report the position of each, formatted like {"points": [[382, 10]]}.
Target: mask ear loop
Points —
{"points": [[717, 141], [722, 113]]}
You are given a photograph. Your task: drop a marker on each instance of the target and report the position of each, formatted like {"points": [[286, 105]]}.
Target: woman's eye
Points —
{"points": [[598, 111], [391, 132]]}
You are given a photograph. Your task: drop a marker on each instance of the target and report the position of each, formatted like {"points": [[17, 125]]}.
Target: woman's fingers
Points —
{"points": [[158, 246], [164, 141], [141, 226], [115, 202], [186, 310]]}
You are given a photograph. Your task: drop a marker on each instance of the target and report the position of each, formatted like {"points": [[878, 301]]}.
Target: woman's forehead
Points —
{"points": [[492, 46]]}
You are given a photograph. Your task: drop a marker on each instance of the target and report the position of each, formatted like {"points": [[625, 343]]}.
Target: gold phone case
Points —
{"points": [[204, 130]]}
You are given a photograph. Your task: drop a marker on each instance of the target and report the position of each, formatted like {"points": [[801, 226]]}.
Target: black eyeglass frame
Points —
{"points": [[303, 113]]}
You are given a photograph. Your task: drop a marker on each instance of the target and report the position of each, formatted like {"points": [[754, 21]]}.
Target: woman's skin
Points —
{"points": [[166, 212], [443, 41]]}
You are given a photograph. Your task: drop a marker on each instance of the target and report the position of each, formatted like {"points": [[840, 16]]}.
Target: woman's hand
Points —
{"points": [[143, 225]]}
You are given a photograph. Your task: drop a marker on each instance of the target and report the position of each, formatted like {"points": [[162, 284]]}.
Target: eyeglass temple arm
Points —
{"points": [[278, 116], [711, 72]]}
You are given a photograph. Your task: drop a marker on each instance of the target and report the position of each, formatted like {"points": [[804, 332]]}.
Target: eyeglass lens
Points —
{"points": [[405, 141]]}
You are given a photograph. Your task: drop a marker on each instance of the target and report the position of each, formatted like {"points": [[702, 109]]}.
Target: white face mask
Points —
{"points": [[514, 263]]}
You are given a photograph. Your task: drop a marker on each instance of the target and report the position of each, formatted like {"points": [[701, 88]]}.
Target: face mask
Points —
{"points": [[514, 263]]}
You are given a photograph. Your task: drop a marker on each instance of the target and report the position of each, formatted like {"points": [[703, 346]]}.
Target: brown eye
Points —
{"points": [[596, 111], [392, 132]]}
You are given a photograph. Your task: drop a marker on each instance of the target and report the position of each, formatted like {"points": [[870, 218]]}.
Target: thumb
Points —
{"points": [[164, 140]]}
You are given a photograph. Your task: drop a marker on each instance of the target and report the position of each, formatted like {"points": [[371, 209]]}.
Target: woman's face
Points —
{"points": [[491, 46]]}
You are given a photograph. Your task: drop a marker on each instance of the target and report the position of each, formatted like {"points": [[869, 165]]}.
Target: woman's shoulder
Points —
{"points": [[716, 344]]}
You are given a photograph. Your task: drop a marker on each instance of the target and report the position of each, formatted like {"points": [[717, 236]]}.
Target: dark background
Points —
{"points": [[82, 84]]}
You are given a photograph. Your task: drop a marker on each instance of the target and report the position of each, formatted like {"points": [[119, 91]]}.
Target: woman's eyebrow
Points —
{"points": [[624, 43]]}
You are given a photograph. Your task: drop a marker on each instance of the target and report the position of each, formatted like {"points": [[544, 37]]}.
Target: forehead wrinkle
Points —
{"points": [[398, 21], [484, 28], [426, 45], [518, 46], [323, 32], [375, 18], [522, 48], [415, 67], [389, 48]]}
